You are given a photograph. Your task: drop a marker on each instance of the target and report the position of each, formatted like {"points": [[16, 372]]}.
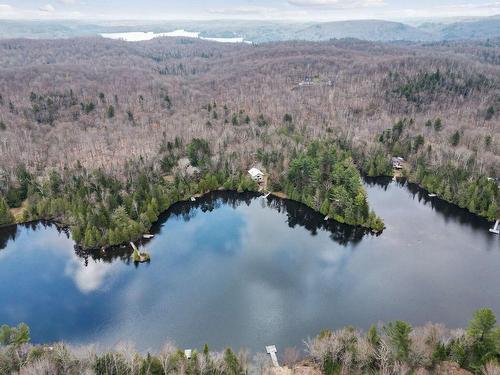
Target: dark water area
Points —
{"points": [[243, 271]]}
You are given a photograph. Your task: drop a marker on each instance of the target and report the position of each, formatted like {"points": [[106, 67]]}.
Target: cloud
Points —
{"points": [[337, 4], [6, 8], [451, 10], [90, 278], [256, 12], [48, 8], [68, 2], [248, 10]]}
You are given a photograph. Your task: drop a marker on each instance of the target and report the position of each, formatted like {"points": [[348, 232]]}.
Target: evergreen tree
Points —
{"points": [[6, 216], [232, 363], [111, 111], [455, 138], [398, 333]]}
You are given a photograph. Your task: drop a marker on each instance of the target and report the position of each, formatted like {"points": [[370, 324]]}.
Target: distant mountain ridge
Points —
{"points": [[483, 28], [268, 31], [375, 30]]}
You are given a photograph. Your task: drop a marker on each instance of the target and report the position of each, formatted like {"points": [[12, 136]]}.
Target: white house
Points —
{"points": [[256, 174]]}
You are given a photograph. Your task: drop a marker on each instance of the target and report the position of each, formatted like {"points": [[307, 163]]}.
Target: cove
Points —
{"points": [[239, 270]]}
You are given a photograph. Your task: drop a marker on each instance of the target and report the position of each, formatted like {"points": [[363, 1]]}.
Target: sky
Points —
{"points": [[303, 10]]}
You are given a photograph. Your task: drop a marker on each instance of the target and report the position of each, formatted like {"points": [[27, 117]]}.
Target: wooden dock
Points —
{"points": [[496, 229], [271, 350], [138, 256]]}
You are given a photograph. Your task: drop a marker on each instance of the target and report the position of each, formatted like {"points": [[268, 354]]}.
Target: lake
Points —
{"points": [[139, 36], [241, 270]]}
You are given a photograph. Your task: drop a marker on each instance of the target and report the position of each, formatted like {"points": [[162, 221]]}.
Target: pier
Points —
{"points": [[139, 257], [271, 350], [495, 228]]}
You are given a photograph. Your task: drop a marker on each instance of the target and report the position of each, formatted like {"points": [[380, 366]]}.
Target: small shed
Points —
{"points": [[256, 174]]}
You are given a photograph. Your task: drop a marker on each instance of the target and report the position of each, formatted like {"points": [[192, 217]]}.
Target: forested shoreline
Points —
{"points": [[392, 348], [102, 211], [478, 193]]}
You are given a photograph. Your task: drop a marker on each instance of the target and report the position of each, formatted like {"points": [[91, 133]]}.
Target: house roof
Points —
{"points": [[255, 172]]}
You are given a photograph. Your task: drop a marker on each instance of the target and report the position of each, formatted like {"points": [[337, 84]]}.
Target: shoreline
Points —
{"points": [[404, 175], [278, 194]]}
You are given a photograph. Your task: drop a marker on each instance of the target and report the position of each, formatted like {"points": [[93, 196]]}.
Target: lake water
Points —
{"points": [[239, 270], [138, 36]]}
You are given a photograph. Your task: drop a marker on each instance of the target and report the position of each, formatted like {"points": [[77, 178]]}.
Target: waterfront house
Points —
{"points": [[256, 174]]}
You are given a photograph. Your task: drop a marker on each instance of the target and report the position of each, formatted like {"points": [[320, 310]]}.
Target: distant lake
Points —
{"points": [[241, 270], [135, 36]]}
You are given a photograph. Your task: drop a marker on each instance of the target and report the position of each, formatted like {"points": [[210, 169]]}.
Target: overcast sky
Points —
{"points": [[321, 10]]}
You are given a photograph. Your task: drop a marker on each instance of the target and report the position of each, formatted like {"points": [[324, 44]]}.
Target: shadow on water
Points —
{"points": [[6, 234], [10, 232], [449, 211], [382, 182], [297, 214], [303, 216]]}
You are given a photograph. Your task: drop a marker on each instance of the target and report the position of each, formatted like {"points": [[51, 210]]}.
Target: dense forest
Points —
{"points": [[102, 210], [393, 348], [92, 130], [326, 179]]}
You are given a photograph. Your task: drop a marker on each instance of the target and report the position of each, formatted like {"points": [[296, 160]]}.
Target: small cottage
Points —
{"points": [[397, 162], [256, 174]]}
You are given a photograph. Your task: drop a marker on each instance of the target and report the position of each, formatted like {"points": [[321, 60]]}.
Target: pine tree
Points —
{"points": [[111, 111], [6, 216]]}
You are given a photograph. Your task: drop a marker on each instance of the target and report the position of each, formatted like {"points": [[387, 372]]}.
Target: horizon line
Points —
{"points": [[275, 20]]}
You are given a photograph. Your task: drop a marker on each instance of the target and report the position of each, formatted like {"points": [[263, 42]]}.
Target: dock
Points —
{"points": [[432, 195], [495, 228], [266, 195], [271, 350], [148, 236], [138, 256]]}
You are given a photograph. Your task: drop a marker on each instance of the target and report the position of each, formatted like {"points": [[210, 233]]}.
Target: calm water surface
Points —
{"points": [[243, 271]]}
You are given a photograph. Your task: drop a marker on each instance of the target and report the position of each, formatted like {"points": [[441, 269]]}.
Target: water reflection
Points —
{"points": [[240, 270], [7, 234], [297, 214]]}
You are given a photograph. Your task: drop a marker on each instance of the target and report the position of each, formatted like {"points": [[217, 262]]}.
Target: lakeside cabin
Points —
{"points": [[256, 174], [397, 162]]}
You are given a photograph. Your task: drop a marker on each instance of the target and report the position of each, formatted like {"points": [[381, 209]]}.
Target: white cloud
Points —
{"points": [[452, 10], [249, 10], [337, 4], [47, 8], [6, 9], [68, 2], [256, 12], [90, 278]]}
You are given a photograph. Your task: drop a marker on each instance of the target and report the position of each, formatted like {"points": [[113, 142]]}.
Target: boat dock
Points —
{"points": [[138, 256], [271, 350], [496, 228]]}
